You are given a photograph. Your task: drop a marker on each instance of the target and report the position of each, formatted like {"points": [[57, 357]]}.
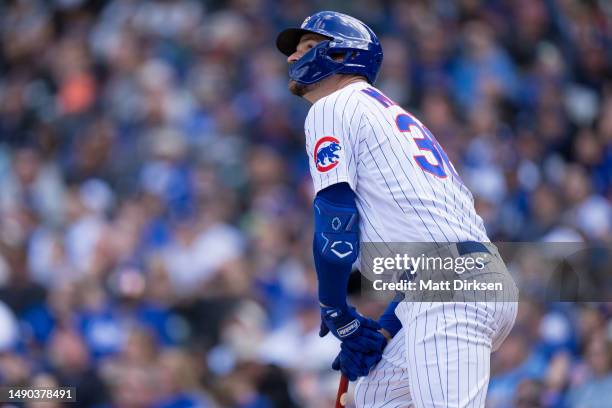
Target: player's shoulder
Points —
{"points": [[339, 102], [347, 93]]}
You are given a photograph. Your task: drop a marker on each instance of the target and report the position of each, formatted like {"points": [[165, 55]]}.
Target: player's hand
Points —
{"points": [[359, 333], [354, 364]]}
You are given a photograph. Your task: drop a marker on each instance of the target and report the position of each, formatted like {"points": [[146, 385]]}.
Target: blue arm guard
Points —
{"points": [[336, 242]]}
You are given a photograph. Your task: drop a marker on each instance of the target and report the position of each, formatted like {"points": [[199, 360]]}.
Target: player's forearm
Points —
{"points": [[336, 242], [332, 281]]}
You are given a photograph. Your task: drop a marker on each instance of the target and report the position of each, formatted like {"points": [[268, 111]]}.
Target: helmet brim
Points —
{"points": [[288, 39]]}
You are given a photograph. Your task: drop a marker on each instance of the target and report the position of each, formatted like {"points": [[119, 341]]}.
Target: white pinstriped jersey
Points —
{"points": [[407, 190]]}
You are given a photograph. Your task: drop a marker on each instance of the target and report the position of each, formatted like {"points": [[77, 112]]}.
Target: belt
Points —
{"points": [[463, 248], [469, 247]]}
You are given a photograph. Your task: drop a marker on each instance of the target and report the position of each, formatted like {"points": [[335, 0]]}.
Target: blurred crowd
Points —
{"points": [[155, 201]]}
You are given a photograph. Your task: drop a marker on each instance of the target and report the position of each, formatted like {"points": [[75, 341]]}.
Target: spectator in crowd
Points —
{"points": [[155, 201]]}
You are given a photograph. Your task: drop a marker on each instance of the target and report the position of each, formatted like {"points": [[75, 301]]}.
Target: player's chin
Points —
{"points": [[297, 89]]}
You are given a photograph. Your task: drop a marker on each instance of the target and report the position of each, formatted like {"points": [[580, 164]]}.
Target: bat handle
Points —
{"points": [[342, 392]]}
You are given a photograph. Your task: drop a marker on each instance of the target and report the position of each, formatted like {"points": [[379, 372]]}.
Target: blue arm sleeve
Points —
{"points": [[389, 320], [340, 193], [336, 242]]}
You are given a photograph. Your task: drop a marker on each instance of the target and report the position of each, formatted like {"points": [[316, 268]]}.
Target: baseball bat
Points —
{"points": [[342, 392]]}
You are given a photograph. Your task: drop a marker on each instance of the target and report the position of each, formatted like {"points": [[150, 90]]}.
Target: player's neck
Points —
{"points": [[331, 85]]}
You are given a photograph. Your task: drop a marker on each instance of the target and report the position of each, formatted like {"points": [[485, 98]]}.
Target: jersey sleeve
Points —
{"points": [[332, 142]]}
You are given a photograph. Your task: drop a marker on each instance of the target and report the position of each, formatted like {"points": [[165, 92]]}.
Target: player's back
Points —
{"points": [[407, 189]]}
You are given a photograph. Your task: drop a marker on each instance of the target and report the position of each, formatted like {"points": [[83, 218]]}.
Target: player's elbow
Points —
{"points": [[336, 231], [337, 249]]}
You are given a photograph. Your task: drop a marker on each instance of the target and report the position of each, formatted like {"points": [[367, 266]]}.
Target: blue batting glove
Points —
{"points": [[360, 333], [354, 364], [389, 320]]}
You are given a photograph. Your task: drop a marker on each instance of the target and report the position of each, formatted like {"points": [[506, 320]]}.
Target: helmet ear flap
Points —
{"points": [[342, 55], [318, 63], [337, 55]]}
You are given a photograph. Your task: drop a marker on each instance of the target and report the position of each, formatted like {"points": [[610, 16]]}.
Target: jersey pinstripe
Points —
{"points": [[397, 200]]}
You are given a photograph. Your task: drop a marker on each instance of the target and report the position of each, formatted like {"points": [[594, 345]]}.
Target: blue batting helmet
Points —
{"points": [[347, 36]]}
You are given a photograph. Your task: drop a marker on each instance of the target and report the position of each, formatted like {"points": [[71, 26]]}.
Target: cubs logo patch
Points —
{"points": [[325, 155]]}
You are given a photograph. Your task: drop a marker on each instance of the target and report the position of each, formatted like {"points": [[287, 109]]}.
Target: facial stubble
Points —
{"points": [[300, 89]]}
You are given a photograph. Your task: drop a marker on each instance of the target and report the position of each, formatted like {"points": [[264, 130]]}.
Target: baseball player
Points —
{"points": [[381, 176]]}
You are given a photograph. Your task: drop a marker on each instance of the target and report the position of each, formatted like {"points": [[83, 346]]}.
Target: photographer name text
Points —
{"points": [[431, 285]]}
